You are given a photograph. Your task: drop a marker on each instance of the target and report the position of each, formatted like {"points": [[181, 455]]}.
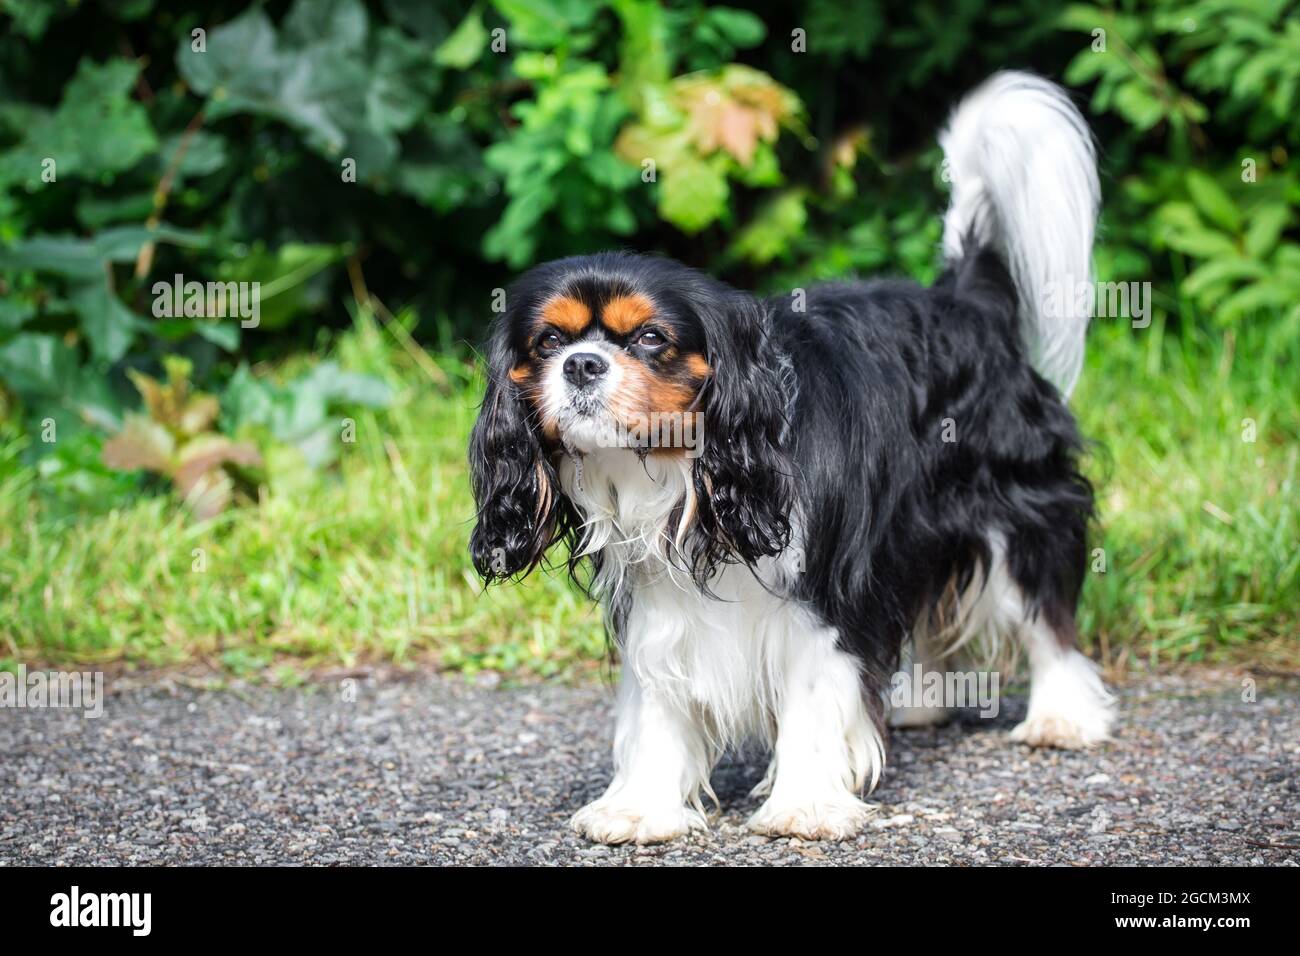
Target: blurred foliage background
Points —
{"points": [[381, 168]]}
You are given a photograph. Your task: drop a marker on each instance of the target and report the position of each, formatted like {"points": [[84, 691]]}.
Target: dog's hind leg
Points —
{"points": [[922, 651], [1069, 706]]}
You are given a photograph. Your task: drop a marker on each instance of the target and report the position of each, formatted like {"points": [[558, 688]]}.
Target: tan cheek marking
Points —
{"points": [[624, 313], [531, 385], [567, 314], [642, 395], [697, 366], [678, 397], [643, 392], [631, 395], [670, 396]]}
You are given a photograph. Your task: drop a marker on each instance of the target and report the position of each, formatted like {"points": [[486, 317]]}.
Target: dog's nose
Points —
{"points": [[583, 367]]}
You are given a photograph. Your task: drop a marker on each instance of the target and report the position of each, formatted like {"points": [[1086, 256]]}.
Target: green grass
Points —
{"points": [[1200, 524], [365, 562], [368, 561]]}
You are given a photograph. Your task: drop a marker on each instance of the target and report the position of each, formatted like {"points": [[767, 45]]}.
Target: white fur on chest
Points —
{"points": [[723, 657]]}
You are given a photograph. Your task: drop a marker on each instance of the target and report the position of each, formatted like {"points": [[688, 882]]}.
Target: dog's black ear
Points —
{"points": [[742, 477], [513, 482]]}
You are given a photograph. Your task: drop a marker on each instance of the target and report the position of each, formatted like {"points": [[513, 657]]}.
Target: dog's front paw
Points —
{"points": [[839, 818], [608, 822]]}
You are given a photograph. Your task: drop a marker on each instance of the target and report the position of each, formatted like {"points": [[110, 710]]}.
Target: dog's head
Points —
{"points": [[615, 352]]}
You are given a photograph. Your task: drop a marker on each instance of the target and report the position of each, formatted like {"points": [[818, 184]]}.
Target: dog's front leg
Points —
{"points": [[828, 747], [661, 762]]}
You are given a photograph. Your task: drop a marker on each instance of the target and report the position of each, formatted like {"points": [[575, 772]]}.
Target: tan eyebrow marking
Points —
{"points": [[624, 313], [567, 314]]}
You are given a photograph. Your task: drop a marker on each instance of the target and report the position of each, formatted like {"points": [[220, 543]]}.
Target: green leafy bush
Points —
{"points": [[333, 150], [1206, 204]]}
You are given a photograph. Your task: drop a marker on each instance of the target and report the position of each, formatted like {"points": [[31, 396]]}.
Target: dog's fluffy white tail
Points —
{"points": [[1024, 183]]}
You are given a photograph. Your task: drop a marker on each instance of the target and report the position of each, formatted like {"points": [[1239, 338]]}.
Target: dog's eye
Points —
{"points": [[650, 339], [549, 342]]}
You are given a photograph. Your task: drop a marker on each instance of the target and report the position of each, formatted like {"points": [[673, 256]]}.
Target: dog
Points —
{"points": [[879, 468]]}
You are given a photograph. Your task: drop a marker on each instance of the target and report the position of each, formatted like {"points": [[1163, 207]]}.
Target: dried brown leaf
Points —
{"points": [[142, 443]]}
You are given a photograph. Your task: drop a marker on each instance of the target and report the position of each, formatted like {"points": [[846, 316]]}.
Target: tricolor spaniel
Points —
{"points": [[780, 497]]}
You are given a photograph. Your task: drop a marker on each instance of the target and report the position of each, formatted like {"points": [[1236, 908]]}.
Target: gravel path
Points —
{"points": [[429, 770]]}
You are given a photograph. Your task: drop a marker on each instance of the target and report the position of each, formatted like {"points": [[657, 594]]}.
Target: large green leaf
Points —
{"points": [[349, 388], [299, 413], [1213, 202], [13, 313], [31, 18], [466, 44], [339, 24], [545, 23], [61, 255], [739, 27], [241, 60], [1213, 279], [1253, 298], [37, 364], [205, 153], [346, 88], [1139, 103], [1266, 226], [96, 130], [772, 232], [76, 258], [110, 327], [693, 192]]}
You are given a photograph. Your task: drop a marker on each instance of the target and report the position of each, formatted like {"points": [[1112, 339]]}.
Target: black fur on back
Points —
{"points": [[892, 511]]}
